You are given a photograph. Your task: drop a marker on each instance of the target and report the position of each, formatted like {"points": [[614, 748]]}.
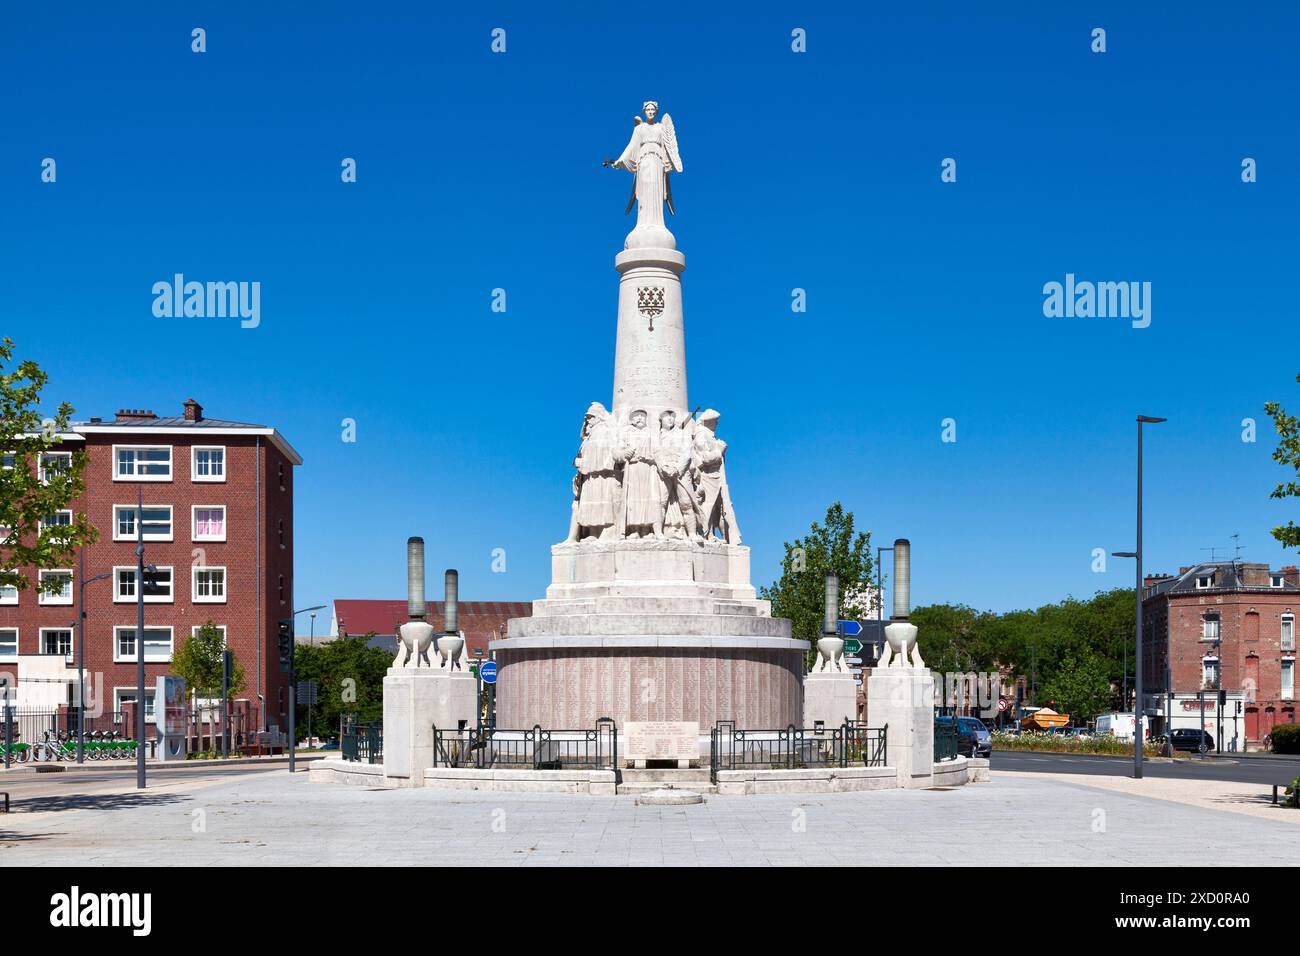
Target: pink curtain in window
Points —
{"points": [[212, 523]]}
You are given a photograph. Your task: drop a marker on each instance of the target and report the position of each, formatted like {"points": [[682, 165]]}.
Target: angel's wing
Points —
{"points": [[670, 141]]}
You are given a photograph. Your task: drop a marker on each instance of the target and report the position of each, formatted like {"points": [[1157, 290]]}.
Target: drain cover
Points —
{"points": [[670, 797]]}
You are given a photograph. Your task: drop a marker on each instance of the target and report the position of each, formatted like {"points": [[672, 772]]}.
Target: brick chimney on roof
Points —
{"points": [[193, 411], [134, 415], [1290, 574]]}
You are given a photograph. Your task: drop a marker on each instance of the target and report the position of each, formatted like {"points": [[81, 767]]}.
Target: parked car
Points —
{"points": [[1077, 733], [973, 738], [1192, 739]]}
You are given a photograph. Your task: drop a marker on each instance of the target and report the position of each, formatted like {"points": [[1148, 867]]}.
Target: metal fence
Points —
{"points": [[945, 739], [485, 748], [362, 742], [795, 748]]}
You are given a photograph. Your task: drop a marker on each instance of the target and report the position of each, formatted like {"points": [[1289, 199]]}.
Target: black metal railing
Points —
{"points": [[796, 748], [536, 749], [362, 742], [945, 739]]}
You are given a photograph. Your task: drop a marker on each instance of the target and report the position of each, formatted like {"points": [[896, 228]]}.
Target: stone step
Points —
{"points": [[667, 775], [639, 604], [639, 788]]}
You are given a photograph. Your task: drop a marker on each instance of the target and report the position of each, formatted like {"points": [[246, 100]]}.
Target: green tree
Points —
{"points": [[800, 593], [349, 677], [35, 482], [1286, 453], [1080, 687], [198, 662]]}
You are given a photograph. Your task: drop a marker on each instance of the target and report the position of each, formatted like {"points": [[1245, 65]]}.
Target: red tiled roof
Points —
{"points": [[480, 620]]}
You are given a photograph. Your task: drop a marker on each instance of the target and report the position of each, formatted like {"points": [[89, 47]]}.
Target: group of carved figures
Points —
{"points": [[635, 481]]}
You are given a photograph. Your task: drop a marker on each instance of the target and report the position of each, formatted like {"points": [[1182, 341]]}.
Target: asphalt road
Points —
{"points": [[1264, 770], [114, 784]]}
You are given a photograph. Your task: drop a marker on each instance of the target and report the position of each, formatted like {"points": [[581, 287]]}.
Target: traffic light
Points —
{"points": [[286, 645]]}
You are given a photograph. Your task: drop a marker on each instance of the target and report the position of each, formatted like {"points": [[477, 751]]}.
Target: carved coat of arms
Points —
{"points": [[650, 302]]}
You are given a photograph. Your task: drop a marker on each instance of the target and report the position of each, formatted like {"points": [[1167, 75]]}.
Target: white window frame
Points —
{"points": [[195, 597], [194, 523], [1207, 578], [1209, 659], [1284, 644], [1283, 692], [6, 600], [194, 630], [56, 599], [120, 658], [194, 464], [17, 643], [171, 466], [119, 598], [72, 641], [1206, 620], [150, 692], [1276, 581], [148, 535], [40, 467], [62, 511]]}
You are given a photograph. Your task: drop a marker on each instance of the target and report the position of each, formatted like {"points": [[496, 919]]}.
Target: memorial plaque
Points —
{"points": [[675, 740]]}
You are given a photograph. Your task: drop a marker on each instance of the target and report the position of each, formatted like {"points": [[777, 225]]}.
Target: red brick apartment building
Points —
{"points": [[217, 520], [1227, 626]]}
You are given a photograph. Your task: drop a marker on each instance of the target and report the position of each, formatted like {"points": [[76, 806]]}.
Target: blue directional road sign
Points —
{"points": [[488, 672], [850, 628]]}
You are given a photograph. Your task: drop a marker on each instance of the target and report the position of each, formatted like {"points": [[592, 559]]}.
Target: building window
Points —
{"points": [[281, 582], [209, 463], [142, 463], [1204, 581], [280, 531], [1210, 627], [209, 523], [8, 594], [60, 519], [157, 586], [157, 644], [1276, 580], [126, 695], [1288, 632], [155, 522], [64, 594], [1288, 678], [54, 463], [194, 631], [209, 585], [280, 472], [7, 461], [8, 642], [57, 640], [1210, 673]]}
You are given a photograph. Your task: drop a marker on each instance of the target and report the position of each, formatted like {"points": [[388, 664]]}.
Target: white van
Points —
{"points": [[1120, 726]]}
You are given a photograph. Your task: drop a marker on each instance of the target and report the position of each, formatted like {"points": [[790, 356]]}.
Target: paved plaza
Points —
{"points": [[270, 817]]}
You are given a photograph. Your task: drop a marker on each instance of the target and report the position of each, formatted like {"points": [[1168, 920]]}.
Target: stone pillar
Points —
{"points": [[830, 697], [416, 699], [903, 698], [650, 349]]}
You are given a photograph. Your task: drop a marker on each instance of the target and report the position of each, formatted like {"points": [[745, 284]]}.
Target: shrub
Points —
{"points": [[1286, 739]]}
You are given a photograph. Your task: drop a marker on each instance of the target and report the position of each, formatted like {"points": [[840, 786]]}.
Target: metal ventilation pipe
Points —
{"points": [[831, 619], [902, 579], [451, 611], [415, 605]]}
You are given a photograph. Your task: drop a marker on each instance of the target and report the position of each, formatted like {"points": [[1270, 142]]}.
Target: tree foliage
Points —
{"points": [[800, 593], [30, 494], [1286, 453], [349, 678], [198, 662]]}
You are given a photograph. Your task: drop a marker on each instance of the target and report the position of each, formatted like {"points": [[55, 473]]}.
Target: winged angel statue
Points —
{"points": [[651, 156]]}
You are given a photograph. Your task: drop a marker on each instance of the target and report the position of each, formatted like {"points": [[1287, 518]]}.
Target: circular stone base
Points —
{"points": [[670, 797]]}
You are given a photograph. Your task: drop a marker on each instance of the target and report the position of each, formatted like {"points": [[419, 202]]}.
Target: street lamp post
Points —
{"points": [[880, 586], [293, 690], [81, 651], [1139, 709], [139, 638]]}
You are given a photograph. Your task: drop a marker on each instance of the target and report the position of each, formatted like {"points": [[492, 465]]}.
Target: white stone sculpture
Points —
{"points": [[416, 635], [641, 513], [651, 155], [830, 656], [673, 461], [900, 635], [596, 487], [709, 454]]}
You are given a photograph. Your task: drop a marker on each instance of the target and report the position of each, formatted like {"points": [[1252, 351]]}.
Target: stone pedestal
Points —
{"points": [[416, 699], [903, 698], [830, 697], [646, 630]]}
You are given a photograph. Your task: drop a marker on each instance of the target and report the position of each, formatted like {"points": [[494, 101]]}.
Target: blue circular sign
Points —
{"points": [[488, 672]]}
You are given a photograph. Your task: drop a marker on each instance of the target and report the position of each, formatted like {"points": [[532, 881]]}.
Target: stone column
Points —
{"points": [[416, 699], [903, 698], [650, 350]]}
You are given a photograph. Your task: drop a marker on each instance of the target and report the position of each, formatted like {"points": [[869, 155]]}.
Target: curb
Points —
{"points": [[90, 765]]}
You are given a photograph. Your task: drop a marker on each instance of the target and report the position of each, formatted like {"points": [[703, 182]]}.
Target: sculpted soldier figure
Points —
{"points": [[642, 512], [673, 459], [595, 486], [709, 452]]}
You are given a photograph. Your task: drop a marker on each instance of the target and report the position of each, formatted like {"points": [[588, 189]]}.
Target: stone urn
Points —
{"points": [[449, 648], [902, 639], [831, 653], [414, 637]]}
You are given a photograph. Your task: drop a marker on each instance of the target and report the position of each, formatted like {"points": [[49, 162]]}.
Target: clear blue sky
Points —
{"points": [[818, 171]]}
